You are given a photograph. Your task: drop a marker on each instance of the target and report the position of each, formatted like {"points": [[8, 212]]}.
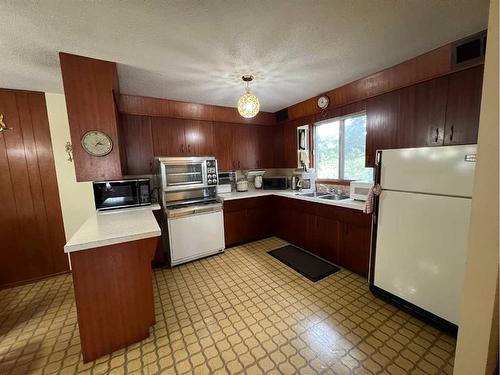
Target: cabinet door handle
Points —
{"points": [[189, 148], [436, 138], [452, 131], [182, 148]]}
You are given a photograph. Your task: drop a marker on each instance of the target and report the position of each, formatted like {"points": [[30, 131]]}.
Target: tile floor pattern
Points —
{"points": [[243, 312]]}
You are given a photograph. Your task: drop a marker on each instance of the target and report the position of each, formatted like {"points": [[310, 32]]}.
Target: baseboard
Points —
{"points": [[34, 280]]}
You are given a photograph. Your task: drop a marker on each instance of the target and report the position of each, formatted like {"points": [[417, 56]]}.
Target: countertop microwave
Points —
{"points": [[275, 183], [109, 195], [359, 190]]}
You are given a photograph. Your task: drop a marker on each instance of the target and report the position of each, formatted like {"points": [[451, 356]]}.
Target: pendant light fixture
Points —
{"points": [[248, 104]]}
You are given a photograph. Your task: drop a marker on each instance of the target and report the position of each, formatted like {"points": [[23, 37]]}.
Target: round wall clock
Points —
{"points": [[97, 143], [323, 101]]}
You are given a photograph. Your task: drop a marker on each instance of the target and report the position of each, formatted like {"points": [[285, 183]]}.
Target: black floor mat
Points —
{"points": [[304, 263]]}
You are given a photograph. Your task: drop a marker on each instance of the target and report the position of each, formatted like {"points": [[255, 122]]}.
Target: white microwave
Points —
{"points": [[359, 190]]}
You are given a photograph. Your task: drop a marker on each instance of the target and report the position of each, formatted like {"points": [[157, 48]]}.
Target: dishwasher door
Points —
{"points": [[195, 236]]}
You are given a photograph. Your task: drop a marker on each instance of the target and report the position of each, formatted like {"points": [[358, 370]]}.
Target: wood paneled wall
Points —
{"points": [[147, 106], [31, 226], [421, 68], [90, 88]]}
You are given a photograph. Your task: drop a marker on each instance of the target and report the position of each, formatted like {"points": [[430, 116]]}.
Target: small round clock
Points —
{"points": [[323, 101], [97, 143]]}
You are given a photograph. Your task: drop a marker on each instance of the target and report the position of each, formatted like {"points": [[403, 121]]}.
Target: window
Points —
{"points": [[339, 149]]}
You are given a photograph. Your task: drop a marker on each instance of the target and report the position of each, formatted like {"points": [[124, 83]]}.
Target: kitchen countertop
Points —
{"points": [[116, 226], [253, 193]]}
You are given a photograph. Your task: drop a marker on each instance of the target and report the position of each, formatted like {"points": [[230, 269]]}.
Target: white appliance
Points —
{"points": [[194, 216], [421, 225], [358, 190], [195, 231]]}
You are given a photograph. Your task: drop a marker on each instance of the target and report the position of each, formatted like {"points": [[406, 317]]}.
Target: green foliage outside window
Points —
{"points": [[340, 149]]}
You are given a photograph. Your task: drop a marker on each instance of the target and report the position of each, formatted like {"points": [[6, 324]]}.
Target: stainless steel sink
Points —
{"points": [[334, 197], [312, 195]]}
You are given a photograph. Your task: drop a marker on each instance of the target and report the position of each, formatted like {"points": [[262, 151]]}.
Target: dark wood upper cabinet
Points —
{"points": [[199, 138], [223, 140], [290, 145], [168, 137], [243, 146], [422, 114], [177, 137], [278, 148], [382, 124], [265, 145], [464, 105], [90, 87], [137, 141]]}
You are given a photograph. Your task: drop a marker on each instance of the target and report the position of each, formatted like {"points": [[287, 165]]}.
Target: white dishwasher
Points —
{"points": [[195, 231]]}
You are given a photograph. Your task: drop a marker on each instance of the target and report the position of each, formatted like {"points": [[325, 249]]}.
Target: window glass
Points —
{"points": [[327, 148], [354, 149], [339, 149]]}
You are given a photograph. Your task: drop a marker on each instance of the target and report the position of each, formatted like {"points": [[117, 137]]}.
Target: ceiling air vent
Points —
{"points": [[282, 115], [469, 50]]}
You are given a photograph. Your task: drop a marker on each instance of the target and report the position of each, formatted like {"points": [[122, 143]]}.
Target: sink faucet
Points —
{"points": [[333, 190]]}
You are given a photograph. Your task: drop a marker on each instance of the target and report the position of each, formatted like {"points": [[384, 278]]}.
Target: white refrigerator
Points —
{"points": [[421, 225]]}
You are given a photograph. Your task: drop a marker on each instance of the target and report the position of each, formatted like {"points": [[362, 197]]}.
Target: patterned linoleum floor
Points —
{"points": [[243, 312]]}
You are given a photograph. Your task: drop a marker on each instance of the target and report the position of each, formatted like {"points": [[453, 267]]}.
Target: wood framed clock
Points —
{"points": [[323, 102], [97, 143]]}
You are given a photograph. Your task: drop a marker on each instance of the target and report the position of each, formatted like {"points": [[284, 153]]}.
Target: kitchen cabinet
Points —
{"points": [[278, 147], [247, 220], [199, 138], [240, 146], [223, 140], [381, 124], [179, 137], [137, 141], [245, 147], [290, 146], [326, 234], [422, 114], [265, 146], [354, 245], [464, 105], [285, 144], [339, 235]]}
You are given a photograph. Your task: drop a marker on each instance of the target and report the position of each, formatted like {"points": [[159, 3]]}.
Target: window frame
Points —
{"points": [[341, 180]]}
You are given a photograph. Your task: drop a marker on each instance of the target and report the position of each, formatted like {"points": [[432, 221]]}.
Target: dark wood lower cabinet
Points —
{"points": [[247, 220], [114, 295], [339, 235], [354, 246]]}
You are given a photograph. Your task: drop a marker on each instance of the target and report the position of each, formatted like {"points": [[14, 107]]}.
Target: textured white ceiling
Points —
{"points": [[196, 51]]}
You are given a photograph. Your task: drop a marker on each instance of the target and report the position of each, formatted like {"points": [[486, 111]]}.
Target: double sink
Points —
{"points": [[329, 196]]}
